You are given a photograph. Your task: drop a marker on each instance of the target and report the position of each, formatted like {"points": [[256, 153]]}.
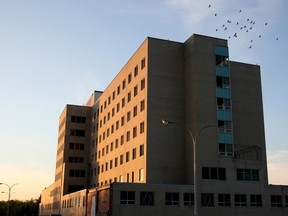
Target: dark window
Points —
{"points": [[78, 119], [136, 71], [223, 82], [286, 201], [214, 173], [255, 200], [73, 188], [221, 60], [142, 84], [171, 198], [224, 200], [240, 200], [146, 198], [207, 199], [247, 175], [127, 197], [142, 63], [133, 153], [141, 152], [188, 199], [276, 201], [79, 133], [77, 173], [223, 103], [129, 77]]}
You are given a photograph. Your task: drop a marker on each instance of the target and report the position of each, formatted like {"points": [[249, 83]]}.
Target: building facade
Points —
{"points": [[116, 157]]}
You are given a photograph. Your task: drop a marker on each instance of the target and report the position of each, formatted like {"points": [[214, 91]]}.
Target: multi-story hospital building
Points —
{"points": [[178, 131]]}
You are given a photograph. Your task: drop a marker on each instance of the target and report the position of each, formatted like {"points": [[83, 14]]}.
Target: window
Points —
{"points": [[129, 77], [136, 71], [116, 162], [117, 107], [286, 201], [240, 200], [78, 119], [222, 82], [141, 174], [133, 153], [127, 136], [117, 125], [141, 152], [76, 146], [224, 200], [111, 146], [135, 90], [226, 149], [224, 126], [128, 116], [221, 61], [142, 84], [134, 132], [146, 198], [113, 95], [121, 159], [127, 156], [123, 84], [276, 201], [255, 200], [171, 198], [76, 159], [129, 97], [116, 143], [135, 111], [213, 173], [127, 197], [224, 103], [77, 173], [78, 133], [188, 199], [113, 111], [121, 178], [118, 90], [143, 63], [142, 127], [142, 105], [123, 102], [122, 139], [247, 175], [207, 199]]}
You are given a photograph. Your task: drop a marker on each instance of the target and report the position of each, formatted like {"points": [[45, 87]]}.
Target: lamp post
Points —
{"points": [[194, 139], [9, 195]]}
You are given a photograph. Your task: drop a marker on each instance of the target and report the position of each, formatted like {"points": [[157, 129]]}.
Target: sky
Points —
{"points": [[57, 52]]}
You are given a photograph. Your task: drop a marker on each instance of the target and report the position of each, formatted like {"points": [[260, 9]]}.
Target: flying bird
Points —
{"points": [[215, 14], [266, 23], [251, 41], [250, 47], [209, 6], [240, 11], [260, 36], [235, 35]]}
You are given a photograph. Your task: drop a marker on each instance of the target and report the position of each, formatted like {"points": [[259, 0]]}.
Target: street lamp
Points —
{"points": [[9, 194], [194, 139]]}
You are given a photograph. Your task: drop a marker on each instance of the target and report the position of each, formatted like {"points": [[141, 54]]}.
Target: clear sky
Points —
{"points": [[57, 52]]}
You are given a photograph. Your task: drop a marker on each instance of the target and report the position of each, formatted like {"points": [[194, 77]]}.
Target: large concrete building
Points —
{"points": [[116, 157]]}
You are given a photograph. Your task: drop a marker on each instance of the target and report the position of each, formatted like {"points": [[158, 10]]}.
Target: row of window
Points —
{"points": [[207, 199], [121, 121], [120, 141], [109, 132], [78, 119], [114, 163], [220, 174], [130, 177], [74, 202], [77, 173], [118, 90]]}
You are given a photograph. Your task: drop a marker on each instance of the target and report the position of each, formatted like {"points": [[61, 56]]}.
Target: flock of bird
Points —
{"points": [[237, 27]]}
